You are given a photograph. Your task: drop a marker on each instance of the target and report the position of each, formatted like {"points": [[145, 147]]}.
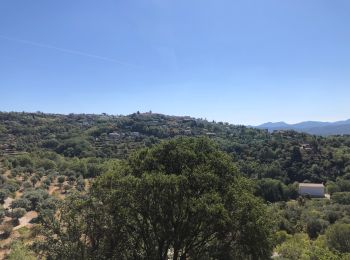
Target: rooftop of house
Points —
{"points": [[314, 185]]}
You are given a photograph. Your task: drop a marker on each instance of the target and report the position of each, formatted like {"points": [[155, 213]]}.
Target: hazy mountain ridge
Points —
{"points": [[311, 127]]}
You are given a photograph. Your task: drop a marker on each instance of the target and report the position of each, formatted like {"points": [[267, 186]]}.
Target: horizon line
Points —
{"points": [[158, 113]]}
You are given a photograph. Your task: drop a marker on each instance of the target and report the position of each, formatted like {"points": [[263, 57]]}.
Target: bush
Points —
{"points": [[18, 213], [344, 185], [11, 185], [22, 203], [2, 179], [6, 230], [341, 198], [23, 161], [44, 186], [47, 164], [66, 188], [61, 179], [27, 185], [48, 204], [281, 236], [34, 179], [338, 237], [294, 248], [315, 226], [272, 190], [80, 184], [75, 147], [72, 179], [2, 214], [47, 181], [20, 252], [332, 187], [3, 195], [36, 197], [332, 216]]}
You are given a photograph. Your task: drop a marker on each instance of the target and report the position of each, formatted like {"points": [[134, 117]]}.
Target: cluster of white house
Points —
{"points": [[312, 189]]}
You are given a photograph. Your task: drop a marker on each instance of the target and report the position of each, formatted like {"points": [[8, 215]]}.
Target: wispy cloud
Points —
{"points": [[70, 51]]}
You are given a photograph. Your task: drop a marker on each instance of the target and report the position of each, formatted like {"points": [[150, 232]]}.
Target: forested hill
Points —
{"points": [[311, 127], [286, 156], [79, 166]]}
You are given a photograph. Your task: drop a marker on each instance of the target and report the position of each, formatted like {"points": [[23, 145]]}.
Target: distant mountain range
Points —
{"points": [[311, 127]]}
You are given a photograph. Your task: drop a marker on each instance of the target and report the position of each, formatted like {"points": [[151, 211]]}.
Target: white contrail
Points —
{"points": [[80, 53]]}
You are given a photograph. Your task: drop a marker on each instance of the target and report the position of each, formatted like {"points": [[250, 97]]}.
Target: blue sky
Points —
{"points": [[243, 62]]}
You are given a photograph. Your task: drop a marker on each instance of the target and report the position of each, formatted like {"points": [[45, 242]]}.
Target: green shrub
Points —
{"points": [[22, 203], [3, 195], [20, 252], [341, 198], [332, 187], [338, 237]]}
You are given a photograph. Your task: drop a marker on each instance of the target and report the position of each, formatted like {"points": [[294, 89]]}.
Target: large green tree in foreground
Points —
{"points": [[182, 199]]}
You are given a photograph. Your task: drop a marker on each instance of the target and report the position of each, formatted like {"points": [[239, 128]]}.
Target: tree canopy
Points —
{"points": [[181, 198]]}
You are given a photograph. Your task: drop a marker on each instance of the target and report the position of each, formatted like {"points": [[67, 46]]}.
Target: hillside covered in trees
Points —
{"points": [[285, 155], [151, 186]]}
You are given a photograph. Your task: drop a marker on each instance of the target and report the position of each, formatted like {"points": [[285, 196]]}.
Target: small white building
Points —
{"points": [[312, 189]]}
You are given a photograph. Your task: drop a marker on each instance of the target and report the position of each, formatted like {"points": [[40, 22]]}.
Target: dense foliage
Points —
{"points": [[286, 156], [181, 198], [157, 193]]}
